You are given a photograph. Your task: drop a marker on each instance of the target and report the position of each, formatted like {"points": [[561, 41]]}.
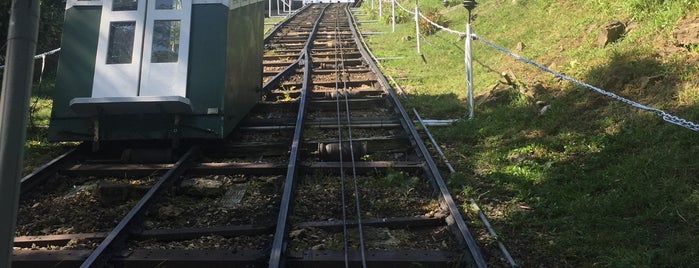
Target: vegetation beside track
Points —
{"points": [[591, 181]]}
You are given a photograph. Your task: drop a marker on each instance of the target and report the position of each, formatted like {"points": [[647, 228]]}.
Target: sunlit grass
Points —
{"points": [[592, 181], [271, 22], [37, 149]]}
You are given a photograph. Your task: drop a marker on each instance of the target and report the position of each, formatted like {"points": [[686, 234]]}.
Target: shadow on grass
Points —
{"points": [[592, 181]]}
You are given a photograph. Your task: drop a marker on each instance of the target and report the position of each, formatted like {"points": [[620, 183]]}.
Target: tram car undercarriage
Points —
{"points": [[156, 69]]}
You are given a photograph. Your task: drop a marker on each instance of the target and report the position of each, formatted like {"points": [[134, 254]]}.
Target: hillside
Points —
{"points": [[590, 181]]}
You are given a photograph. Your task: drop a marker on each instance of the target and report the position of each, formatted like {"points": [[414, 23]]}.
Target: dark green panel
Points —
{"points": [[76, 65], [207, 57], [245, 49], [140, 127]]}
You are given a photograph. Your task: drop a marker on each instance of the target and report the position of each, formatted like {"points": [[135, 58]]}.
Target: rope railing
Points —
{"points": [[403, 8], [41, 56], [664, 115], [440, 26]]}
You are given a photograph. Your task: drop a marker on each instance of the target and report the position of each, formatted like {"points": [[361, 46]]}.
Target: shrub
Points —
{"points": [[433, 15]]}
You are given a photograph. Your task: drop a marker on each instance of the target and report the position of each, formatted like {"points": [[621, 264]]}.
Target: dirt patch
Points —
{"points": [[686, 33]]}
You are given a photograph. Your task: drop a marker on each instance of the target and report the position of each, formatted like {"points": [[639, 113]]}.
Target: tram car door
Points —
{"points": [[143, 48]]}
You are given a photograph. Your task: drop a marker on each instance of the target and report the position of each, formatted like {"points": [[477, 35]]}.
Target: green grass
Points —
{"points": [[270, 22], [592, 182], [37, 149]]}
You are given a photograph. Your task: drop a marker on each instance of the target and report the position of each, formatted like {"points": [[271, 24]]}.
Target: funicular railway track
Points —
{"points": [[326, 171]]}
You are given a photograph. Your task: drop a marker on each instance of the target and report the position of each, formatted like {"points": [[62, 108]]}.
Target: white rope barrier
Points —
{"points": [[664, 115], [403, 8], [41, 56], [440, 26]]}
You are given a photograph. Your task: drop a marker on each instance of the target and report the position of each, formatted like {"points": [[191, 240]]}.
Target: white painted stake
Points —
{"points": [[469, 75], [417, 27], [393, 16]]}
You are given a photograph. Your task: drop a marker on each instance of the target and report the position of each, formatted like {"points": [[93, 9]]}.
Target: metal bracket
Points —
{"points": [[176, 132], [95, 134]]}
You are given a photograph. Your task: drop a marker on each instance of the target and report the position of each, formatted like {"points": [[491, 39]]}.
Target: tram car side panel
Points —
{"points": [[207, 75], [75, 71], [223, 73], [244, 58]]}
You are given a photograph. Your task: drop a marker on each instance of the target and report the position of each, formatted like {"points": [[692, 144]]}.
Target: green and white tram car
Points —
{"points": [[156, 69]]}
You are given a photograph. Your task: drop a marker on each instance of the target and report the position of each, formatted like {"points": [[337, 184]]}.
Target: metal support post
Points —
{"points": [[269, 8], [469, 5], [95, 133], [469, 75], [14, 106]]}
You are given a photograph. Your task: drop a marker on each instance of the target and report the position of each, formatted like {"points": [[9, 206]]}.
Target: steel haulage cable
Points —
{"points": [[339, 139], [340, 70]]}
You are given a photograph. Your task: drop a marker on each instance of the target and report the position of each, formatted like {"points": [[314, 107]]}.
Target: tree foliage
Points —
{"points": [[50, 27]]}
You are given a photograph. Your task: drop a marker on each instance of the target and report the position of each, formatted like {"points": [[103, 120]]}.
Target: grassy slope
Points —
{"points": [[592, 181]]}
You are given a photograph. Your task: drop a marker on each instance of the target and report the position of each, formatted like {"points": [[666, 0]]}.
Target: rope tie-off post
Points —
{"points": [[469, 5]]}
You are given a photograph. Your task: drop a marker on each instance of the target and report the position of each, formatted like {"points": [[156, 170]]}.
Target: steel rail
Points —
{"points": [[121, 232], [277, 78], [494, 235], [434, 142], [42, 173], [283, 23], [431, 167], [275, 259]]}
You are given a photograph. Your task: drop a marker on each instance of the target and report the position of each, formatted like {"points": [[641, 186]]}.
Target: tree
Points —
{"points": [[50, 28]]}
